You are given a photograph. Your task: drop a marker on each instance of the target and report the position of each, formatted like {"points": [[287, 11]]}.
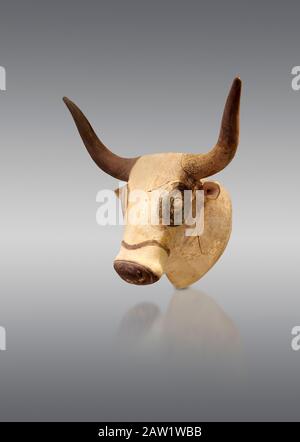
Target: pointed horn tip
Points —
{"points": [[71, 106], [237, 83], [66, 100]]}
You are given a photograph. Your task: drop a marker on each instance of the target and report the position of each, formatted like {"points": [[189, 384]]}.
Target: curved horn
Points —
{"points": [[110, 163], [204, 165]]}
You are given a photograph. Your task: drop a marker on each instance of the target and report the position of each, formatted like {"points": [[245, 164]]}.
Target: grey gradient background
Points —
{"points": [[152, 77]]}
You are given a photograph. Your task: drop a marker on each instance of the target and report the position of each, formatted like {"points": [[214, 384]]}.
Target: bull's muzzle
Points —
{"points": [[135, 273], [141, 263]]}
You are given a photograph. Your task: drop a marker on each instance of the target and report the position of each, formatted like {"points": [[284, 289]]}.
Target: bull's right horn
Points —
{"points": [[109, 162]]}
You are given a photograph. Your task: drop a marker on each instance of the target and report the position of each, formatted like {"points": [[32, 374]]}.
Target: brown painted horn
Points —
{"points": [[204, 165], [109, 162]]}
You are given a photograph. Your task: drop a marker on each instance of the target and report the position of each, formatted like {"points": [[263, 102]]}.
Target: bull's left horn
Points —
{"points": [[204, 165], [109, 162]]}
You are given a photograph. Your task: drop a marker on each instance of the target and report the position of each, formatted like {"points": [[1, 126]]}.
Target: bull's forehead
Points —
{"points": [[158, 170]]}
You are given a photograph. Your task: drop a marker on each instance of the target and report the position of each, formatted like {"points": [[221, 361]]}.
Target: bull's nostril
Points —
{"points": [[134, 273]]}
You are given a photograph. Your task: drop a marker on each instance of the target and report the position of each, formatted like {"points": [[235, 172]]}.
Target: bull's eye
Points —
{"points": [[171, 208]]}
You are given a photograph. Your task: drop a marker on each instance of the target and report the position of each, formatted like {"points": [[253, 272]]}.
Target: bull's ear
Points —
{"points": [[117, 192], [120, 190], [211, 190], [121, 193]]}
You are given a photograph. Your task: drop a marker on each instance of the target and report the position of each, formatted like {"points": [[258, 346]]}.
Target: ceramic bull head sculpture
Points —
{"points": [[148, 251]]}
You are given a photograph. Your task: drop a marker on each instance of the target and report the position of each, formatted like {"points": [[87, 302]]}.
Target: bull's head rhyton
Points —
{"points": [[150, 249]]}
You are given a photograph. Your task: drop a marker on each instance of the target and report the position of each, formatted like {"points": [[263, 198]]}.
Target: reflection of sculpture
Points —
{"points": [[194, 326], [148, 251]]}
